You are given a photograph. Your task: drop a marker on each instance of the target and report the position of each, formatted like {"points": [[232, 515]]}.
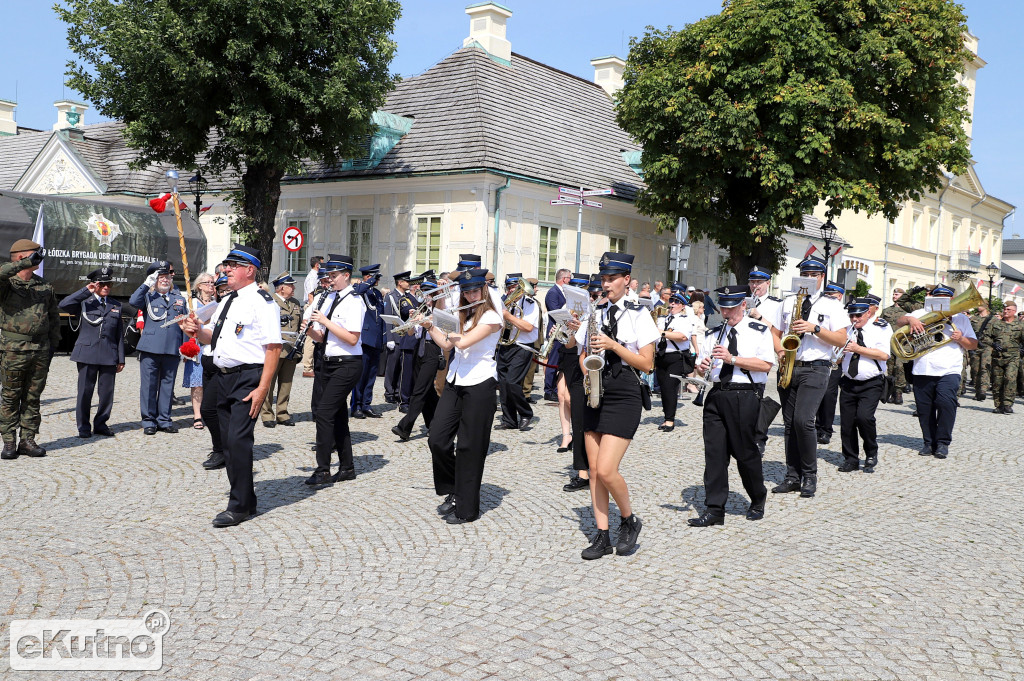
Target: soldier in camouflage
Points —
{"points": [[903, 304], [29, 333], [981, 359], [1006, 336]]}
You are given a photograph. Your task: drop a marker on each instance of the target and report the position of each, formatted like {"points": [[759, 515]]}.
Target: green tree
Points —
{"points": [[750, 117], [247, 87], [861, 289]]}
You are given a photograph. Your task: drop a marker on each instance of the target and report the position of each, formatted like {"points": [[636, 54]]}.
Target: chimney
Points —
{"points": [[70, 114], [608, 73], [487, 29], [7, 124]]}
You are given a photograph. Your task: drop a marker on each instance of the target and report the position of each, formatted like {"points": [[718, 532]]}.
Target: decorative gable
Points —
{"points": [[57, 169]]}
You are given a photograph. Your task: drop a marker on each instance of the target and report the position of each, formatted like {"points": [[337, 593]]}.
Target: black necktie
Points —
{"points": [[220, 320], [103, 303], [855, 358], [612, 325], [805, 309], [725, 375]]}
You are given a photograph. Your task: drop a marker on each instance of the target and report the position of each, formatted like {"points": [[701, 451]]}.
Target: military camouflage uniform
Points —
{"points": [[1005, 340], [903, 306], [30, 326], [981, 359]]}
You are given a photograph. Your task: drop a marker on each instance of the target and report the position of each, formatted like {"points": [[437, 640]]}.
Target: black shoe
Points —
{"points": [[925, 451], [601, 546], [149, 430], [998, 410], [575, 484], [85, 435], [403, 408], [10, 451], [756, 511], [105, 431], [942, 451], [168, 429], [269, 424], [371, 414], [914, 413], [869, 464], [809, 486], [506, 426], [908, 389], [357, 414], [390, 400], [231, 518], [344, 474], [286, 422], [898, 399], [567, 448], [824, 439], [216, 460], [447, 506], [319, 478], [629, 530], [706, 520], [848, 467], [786, 487], [551, 397], [453, 519], [669, 429], [1008, 409], [524, 422], [979, 397], [28, 447], [397, 430]]}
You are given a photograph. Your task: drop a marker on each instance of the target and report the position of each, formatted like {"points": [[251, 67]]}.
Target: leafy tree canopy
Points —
{"points": [[253, 86], [750, 117]]}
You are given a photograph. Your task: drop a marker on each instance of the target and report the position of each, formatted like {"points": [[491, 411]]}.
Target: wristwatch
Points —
{"points": [[817, 328]]}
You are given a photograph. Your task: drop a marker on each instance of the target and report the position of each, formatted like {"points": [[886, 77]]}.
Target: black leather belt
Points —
{"points": [[865, 380], [736, 386], [240, 367], [812, 363], [338, 359]]}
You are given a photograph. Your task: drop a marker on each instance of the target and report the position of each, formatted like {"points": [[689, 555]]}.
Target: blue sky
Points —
{"points": [[566, 35]]}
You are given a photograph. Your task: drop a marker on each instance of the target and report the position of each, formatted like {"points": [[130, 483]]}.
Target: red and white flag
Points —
{"points": [[1015, 290], [981, 282], [836, 252], [811, 248], [39, 236]]}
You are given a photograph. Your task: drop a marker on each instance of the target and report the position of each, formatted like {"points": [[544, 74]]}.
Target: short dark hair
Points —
{"points": [[315, 260]]}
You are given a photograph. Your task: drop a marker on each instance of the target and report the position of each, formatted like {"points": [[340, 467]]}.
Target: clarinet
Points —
{"points": [[699, 398], [301, 340]]}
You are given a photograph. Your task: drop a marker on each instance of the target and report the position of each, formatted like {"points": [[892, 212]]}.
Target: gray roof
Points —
{"points": [[1011, 272], [470, 113], [1013, 246], [811, 229]]}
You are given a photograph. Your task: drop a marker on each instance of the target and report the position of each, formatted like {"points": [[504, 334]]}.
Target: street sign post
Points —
{"points": [[567, 196], [680, 255], [293, 239]]}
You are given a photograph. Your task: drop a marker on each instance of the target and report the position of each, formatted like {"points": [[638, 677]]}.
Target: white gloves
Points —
{"points": [[151, 280], [391, 345]]}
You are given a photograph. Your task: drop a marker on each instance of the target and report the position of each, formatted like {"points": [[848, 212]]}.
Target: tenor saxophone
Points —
{"points": [[593, 365], [791, 342]]}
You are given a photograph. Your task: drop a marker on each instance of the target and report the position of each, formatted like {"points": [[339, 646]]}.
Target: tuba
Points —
{"points": [[907, 345], [593, 365], [791, 342], [523, 289]]}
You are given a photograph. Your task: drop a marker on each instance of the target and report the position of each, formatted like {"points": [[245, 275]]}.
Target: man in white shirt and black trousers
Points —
{"points": [[822, 324], [245, 341], [937, 377], [863, 377], [736, 358], [514, 361]]}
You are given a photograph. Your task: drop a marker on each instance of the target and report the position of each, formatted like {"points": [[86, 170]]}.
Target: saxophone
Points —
{"points": [[593, 364], [791, 342]]}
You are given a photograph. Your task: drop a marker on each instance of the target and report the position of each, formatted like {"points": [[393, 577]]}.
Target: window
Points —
{"points": [[360, 240], [547, 250], [933, 233], [617, 244], [428, 243], [915, 231], [298, 261]]}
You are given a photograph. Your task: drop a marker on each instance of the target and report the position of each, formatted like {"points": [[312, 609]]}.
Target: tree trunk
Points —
{"points": [[261, 187], [743, 258]]}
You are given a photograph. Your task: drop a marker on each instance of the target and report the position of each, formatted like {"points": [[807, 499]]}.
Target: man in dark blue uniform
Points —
{"points": [[158, 346], [393, 371], [372, 339], [99, 350], [554, 299]]}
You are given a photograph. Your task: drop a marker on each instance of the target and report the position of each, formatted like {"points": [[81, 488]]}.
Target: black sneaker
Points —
{"points": [[601, 546], [319, 478], [215, 461], [629, 530]]}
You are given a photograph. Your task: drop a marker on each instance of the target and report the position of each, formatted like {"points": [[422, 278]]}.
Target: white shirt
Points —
{"points": [[250, 325], [827, 313], [475, 364], [679, 323], [531, 314], [753, 339], [348, 314], [309, 284], [877, 336], [949, 359], [770, 309], [636, 329]]}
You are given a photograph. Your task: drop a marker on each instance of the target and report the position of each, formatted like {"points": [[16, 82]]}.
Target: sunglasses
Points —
{"points": [[855, 315]]}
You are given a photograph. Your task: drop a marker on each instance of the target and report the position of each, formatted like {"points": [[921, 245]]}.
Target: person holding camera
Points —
{"points": [[29, 337]]}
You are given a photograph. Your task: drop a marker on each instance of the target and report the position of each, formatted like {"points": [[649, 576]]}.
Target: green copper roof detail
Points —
{"points": [[390, 128], [632, 159], [482, 4]]}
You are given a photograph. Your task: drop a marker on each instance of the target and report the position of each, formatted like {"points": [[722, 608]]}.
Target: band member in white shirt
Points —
{"points": [[625, 339], [460, 433], [674, 356], [937, 377], [514, 361], [863, 378]]}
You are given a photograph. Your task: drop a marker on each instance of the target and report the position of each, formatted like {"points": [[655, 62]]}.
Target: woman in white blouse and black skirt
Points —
{"points": [[467, 405], [626, 341], [674, 356]]}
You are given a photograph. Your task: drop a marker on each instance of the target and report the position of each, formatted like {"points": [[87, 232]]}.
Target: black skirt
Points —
{"points": [[569, 366], [619, 412]]}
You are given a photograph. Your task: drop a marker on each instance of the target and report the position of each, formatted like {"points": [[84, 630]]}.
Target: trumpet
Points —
{"points": [[524, 289]]}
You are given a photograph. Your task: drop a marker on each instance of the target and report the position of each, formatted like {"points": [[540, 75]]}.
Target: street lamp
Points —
{"points": [[828, 234], [992, 270], [197, 186]]}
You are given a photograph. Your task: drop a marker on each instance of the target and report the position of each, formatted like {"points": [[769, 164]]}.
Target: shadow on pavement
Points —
{"points": [[490, 497]]}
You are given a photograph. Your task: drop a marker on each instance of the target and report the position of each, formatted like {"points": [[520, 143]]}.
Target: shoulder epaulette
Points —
{"points": [[757, 326], [266, 296], [634, 306], [716, 329], [881, 322], [773, 298]]}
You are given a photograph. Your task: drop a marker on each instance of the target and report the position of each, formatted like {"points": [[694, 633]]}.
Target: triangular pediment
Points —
{"points": [[969, 182], [58, 169]]}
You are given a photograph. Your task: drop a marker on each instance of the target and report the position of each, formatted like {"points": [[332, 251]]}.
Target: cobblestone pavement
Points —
{"points": [[913, 572]]}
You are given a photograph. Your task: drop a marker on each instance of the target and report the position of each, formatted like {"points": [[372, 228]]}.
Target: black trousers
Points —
{"points": [[424, 398], [857, 403], [236, 434], [936, 408], [668, 365], [826, 416], [577, 403], [513, 363], [730, 419], [331, 414], [460, 436], [208, 407], [91, 376], [800, 402]]}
